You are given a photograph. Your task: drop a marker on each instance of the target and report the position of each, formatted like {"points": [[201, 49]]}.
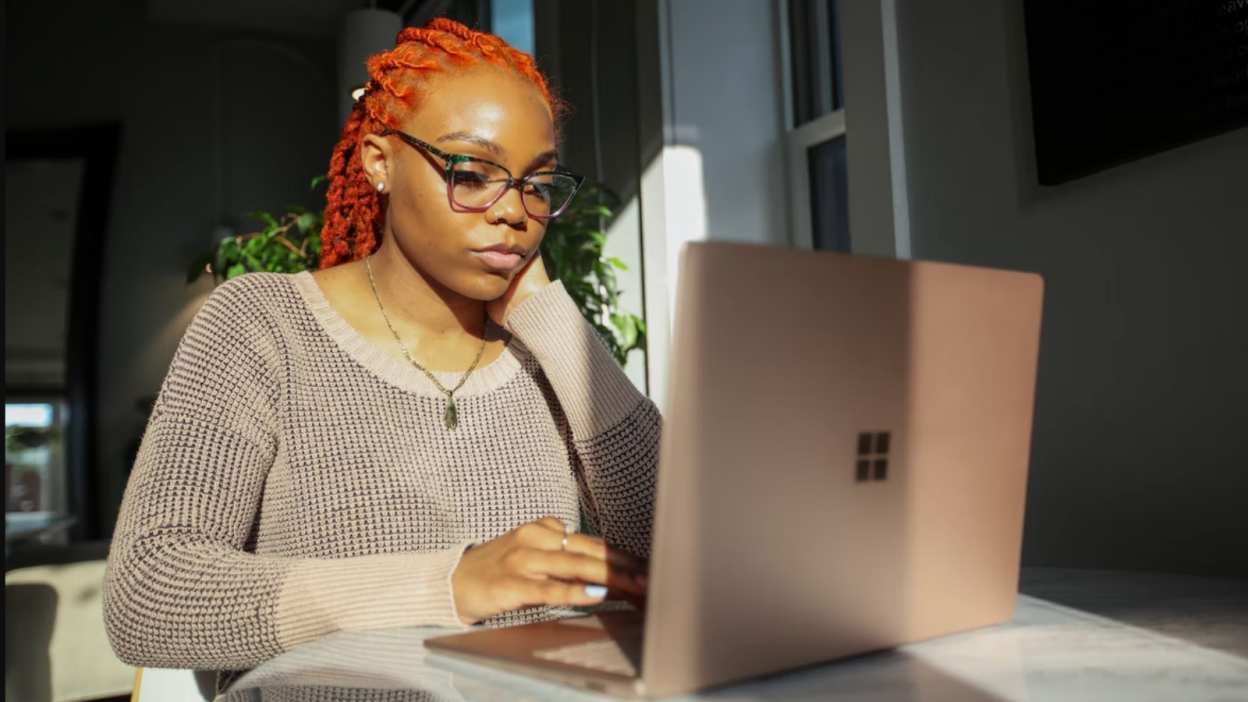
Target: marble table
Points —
{"points": [[1077, 635]]}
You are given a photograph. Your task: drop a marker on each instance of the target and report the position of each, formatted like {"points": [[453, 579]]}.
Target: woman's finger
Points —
{"points": [[522, 592], [558, 592], [565, 565], [554, 523], [546, 533], [549, 534], [617, 559]]}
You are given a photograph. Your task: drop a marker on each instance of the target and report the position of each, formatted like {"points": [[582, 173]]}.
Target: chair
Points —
{"points": [[55, 645], [172, 685]]}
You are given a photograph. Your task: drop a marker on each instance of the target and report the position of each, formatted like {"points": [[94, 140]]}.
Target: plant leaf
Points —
{"points": [[253, 245], [306, 222], [318, 180], [627, 325], [227, 255], [264, 217], [234, 271]]}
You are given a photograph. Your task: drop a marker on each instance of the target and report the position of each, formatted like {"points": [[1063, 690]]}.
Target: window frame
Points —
{"points": [[56, 489], [799, 139], [98, 145], [797, 144]]}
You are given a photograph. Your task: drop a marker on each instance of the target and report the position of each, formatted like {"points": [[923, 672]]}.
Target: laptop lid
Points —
{"points": [[844, 459]]}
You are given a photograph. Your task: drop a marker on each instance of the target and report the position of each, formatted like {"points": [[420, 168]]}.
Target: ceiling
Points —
{"points": [[318, 19]]}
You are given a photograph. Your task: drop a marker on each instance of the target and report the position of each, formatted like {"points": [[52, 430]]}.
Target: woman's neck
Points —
{"points": [[415, 301]]}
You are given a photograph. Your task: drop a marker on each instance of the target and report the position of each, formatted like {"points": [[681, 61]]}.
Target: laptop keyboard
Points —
{"points": [[621, 657]]}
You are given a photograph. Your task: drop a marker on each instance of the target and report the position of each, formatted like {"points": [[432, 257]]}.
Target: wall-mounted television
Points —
{"points": [[1112, 82]]}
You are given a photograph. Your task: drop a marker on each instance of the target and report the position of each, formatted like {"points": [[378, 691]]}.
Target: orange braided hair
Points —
{"points": [[354, 221]]}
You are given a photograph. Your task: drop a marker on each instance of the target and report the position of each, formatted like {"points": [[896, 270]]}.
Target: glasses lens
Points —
{"points": [[475, 184], [547, 194]]}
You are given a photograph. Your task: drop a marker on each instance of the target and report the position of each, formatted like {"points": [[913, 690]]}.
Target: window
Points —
{"points": [[816, 141], [829, 194], [42, 202], [815, 57], [512, 21], [34, 457]]}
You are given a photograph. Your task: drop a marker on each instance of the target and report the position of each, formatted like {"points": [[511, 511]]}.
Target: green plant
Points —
{"points": [[572, 251], [19, 438], [287, 245]]}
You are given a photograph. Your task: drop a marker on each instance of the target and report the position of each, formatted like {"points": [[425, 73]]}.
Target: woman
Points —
{"points": [[403, 437]]}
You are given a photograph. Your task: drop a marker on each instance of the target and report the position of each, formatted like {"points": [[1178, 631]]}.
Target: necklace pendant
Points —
{"points": [[449, 417]]}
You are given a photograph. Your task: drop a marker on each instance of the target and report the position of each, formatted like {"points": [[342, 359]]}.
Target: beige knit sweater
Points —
{"points": [[295, 480]]}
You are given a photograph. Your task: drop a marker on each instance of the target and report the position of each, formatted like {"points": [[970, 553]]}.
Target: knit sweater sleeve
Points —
{"points": [[182, 589], [615, 429]]}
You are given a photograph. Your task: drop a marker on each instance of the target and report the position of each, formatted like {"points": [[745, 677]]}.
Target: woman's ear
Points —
{"points": [[376, 155]]}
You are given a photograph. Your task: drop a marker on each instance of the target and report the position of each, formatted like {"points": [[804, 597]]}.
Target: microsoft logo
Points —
{"points": [[872, 461]]}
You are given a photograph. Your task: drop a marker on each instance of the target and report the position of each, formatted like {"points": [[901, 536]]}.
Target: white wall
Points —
{"points": [[874, 135], [1140, 456], [589, 52], [676, 107], [726, 104], [712, 122], [102, 63]]}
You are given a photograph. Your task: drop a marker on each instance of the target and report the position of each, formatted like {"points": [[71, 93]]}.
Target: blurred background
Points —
{"points": [[1101, 147]]}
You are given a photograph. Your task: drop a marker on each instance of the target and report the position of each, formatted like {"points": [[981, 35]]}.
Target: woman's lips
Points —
{"points": [[500, 260]]}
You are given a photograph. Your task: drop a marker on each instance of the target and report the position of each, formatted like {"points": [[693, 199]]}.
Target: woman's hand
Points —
{"points": [[529, 281], [528, 567]]}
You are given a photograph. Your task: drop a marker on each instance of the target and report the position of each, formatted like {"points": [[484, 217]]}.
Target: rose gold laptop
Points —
{"points": [[843, 469]]}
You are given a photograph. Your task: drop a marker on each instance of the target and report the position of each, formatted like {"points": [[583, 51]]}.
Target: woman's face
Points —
{"points": [[486, 114]]}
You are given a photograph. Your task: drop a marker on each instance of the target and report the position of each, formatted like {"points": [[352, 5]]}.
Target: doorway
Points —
{"points": [[58, 185]]}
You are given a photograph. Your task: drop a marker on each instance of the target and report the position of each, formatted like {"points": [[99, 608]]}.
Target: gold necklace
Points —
{"points": [[449, 417]]}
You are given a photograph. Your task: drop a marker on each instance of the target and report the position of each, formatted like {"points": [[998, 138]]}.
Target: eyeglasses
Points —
{"points": [[475, 184]]}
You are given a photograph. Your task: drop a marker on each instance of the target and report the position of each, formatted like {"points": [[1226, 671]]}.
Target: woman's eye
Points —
{"points": [[541, 190], [469, 179]]}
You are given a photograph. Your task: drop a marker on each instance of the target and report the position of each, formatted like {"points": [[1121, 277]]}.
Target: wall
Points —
{"points": [[874, 134], [94, 63], [588, 51], [1140, 459], [711, 120], [726, 104], [677, 109], [41, 202], [1140, 456]]}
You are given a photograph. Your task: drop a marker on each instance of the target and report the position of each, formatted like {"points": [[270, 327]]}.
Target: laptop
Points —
{"points": [[842, 470]]}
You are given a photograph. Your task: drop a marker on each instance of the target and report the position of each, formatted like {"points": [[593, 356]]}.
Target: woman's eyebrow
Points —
{"points": [[474, 139], [542, 158], [495, 148]]}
